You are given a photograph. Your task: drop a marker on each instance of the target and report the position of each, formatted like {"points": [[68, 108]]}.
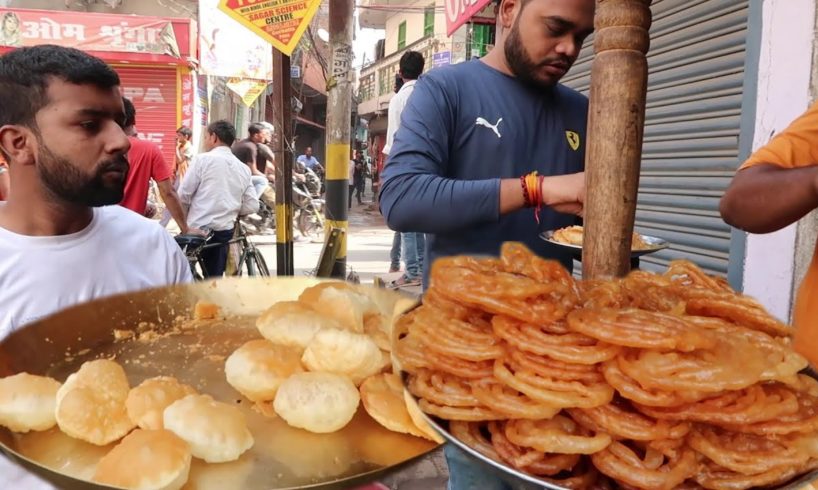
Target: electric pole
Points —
{"points": [[339, 112], [284, 164]]}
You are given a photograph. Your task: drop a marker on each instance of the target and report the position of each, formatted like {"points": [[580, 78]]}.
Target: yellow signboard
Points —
{"points": [[247, 89], [279, 22]]}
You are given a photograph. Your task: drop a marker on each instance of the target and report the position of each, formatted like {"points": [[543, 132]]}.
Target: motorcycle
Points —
{"points": [[313, 183], [308, 210]]}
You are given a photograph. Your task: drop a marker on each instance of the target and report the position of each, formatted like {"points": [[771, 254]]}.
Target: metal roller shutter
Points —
{"points": [[692, 125], [154, 92]]}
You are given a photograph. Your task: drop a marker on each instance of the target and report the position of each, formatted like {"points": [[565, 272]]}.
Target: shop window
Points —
{"points": [[429, 21], [402, 35]]}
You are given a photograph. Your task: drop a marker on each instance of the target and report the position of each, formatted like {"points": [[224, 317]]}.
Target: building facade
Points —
{"points": [[417, 26]]}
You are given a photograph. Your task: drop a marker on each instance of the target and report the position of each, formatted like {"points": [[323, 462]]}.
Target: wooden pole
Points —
{"points": [[285, 264], [339, 111], [616, 121]]}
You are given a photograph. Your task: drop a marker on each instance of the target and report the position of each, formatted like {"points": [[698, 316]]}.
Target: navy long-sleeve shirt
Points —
{"points": [[464, 128]]}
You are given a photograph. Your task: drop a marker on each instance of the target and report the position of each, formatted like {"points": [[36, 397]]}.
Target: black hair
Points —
{"points": [[27, 72], [223, 130], [411, 65], [256, 128], [130, 112], [185, 131]]}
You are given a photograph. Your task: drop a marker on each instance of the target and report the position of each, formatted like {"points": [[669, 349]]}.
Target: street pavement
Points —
{"points": [[368, 244]]}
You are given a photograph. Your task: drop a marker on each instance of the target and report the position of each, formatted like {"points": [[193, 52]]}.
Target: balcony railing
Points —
{"points": [[377, 79]]}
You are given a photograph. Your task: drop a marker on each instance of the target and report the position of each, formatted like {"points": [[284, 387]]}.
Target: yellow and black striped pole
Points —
{"points": [[339, 111], [285, 265]]}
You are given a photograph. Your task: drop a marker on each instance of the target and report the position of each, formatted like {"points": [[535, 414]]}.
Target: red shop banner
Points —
{"points": [[458, 12], [164, 37]]}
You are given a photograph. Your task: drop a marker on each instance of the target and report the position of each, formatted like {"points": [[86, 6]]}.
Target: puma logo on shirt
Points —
{"points": [[482, 122]]}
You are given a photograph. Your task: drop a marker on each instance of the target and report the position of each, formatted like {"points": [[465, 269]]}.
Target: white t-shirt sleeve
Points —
{"points": [[178, 266], [190, 182], [392, 123]]}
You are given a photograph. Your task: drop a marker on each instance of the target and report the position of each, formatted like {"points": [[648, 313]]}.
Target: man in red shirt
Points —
{"points": [[147, 163]]}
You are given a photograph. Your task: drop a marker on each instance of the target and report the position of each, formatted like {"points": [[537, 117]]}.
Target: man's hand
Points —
{"points": [[194, 231], [564, 193]]}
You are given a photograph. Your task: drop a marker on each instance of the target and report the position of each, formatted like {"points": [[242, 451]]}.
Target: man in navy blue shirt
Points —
{"points": [[470, 131]]}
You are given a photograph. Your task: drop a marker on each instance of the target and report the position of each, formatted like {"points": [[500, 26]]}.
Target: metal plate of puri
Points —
{"points": [[150, 333]]}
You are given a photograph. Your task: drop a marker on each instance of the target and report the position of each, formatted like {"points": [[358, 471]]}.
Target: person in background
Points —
{"points": [[266, 154], [217, 190], [247, 152], [359, 175], [311, 162], [184, 152], [351, 178], [4, 178], [146, 163], [63, 241], [473, 135], [774, 188], [394, 252], [412, 244]]}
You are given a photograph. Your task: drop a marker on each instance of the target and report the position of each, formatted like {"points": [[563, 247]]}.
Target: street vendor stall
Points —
{"points": [[624, 379]]}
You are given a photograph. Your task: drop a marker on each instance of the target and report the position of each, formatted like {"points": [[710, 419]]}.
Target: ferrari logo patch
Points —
{"points": [[573, 140]]}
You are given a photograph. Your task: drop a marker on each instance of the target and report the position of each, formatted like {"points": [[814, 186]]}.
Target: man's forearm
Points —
{"points": [[767, 198], [432, 204], [174, 206]]}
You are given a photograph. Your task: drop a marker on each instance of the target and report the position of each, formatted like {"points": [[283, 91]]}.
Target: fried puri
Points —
{"points": [[147, 402], [27, 402], [292, 324], [343, 352], [257, 368], [146, 460], [216, 432], [317, 402], [91, 403]]}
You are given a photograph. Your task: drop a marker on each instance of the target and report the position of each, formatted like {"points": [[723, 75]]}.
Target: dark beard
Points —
{"points": [[67, 183], [521, 65]]}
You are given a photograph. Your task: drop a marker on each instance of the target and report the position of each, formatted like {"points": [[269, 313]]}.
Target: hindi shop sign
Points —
{"points": [[94, 32], [458, 12], [279, 22]]}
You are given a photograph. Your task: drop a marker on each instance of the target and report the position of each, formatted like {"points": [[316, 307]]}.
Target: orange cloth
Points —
{"points": [[795, 147]]}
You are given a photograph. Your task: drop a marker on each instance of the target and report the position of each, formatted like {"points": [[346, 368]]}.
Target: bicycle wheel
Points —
{"points": [[260, 264], [250, 263]]}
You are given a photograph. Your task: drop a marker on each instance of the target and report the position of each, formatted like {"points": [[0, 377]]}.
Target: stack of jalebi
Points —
{"points": [[650, 382]]}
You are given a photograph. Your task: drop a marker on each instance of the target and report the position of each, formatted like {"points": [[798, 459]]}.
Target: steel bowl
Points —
{"points": [[146, 333]]}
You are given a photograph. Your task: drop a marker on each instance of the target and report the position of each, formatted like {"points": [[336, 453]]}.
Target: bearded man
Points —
{"points": [[468, 134], [63, 240], [470, 131]]}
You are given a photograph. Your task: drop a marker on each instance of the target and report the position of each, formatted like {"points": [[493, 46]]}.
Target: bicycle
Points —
{"points": [[192, 246], [250, 260]]}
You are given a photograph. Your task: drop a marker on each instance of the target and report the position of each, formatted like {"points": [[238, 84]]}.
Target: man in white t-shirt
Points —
{"points": [[412, 244], [63, 239]]}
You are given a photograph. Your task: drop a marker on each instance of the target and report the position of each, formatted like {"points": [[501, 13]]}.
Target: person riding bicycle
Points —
{"points": [[215, 191]]}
